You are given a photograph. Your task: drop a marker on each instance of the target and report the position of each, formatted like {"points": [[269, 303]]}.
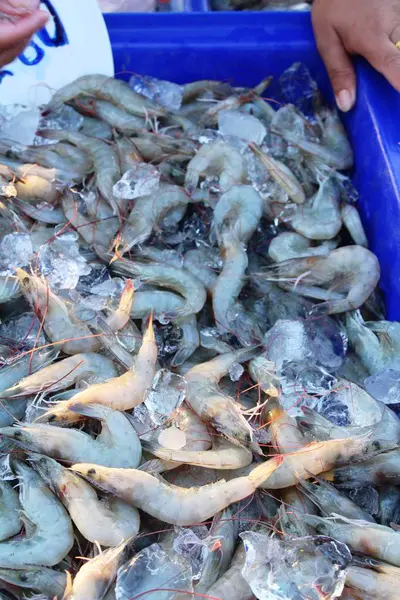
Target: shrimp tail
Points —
{"points": [[321, 310], [68, 588], [92, 411]]}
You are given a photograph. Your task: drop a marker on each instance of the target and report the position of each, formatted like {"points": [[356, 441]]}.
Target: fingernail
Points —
{"points": [[345, 100]]}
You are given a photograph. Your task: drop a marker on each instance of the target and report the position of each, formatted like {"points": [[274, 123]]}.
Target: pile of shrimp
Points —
{"points": [[202, 429]]}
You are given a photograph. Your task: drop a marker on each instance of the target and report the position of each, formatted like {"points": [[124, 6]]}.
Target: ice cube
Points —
{"points": [[188, 545], [236, 371], [19, 123], [15, 251], [165, 396], [61, 118], [244, 126], [367, 498], [302, 568], [384, 386], [62, 264], [298, 87], [163, 92], [154, 568], [24, 331], [142, 180]]}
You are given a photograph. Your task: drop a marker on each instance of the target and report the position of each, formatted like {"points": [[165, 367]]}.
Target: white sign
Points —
{"points": [[74, 42]]}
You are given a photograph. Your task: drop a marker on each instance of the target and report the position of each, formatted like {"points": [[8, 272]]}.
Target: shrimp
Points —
{"points": [[291, 511], [49, 533], [39, 579], [211, 404], [223, 455], [232, 585], [44, 214], [149, 211], [119, 318], [71, 336], [241, 209], [172, 278], [372, 585], [97, 129], [375, 540], [20, 368], [289, 245], [97, 232], [377, 344], [108, 521], [10, 508], [109, 89], [104, 157], [262, 372], [115, 116], [329, 500], [158, 302], [202, 263], [221, 541], [33, 188], [352, 271], [129, 157], [95, 578], [285, 435], [230, 315], [319, 218], [193, 90], [117, 445], [217, 158], [75, 155], [190, 340], [121, 393], [378, 470], [352, 221], [317, 457], [280, 173], [170, 503], [88, 368]]}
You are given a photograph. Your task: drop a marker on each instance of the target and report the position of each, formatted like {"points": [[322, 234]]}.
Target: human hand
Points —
{"points": [[24, 19], [369, 28]]}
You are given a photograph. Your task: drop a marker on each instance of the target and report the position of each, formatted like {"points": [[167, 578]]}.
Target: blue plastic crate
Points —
{"points": [[245, 47]]}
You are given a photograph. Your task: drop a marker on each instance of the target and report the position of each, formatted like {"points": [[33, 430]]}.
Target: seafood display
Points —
{"points": [[199, 392]]}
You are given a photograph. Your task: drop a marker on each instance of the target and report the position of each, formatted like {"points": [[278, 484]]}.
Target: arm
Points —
{"points": [[369, 28], [22, 19]]}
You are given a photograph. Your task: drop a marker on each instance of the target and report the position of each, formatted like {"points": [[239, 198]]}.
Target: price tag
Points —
{"points": [[74, 42]]}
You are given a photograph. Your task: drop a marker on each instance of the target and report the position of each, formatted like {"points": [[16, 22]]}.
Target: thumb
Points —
{"points": [[339, 66], [12, 34]]}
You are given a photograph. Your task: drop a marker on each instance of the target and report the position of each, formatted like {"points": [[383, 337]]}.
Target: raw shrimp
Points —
{"points": [[211, 404], [217, 158], [95, 578], [97, 232], [33, 188], [117, 445], [97, 129], [193, 90], [202, 263], [375, 540], [262, 372], [329, 500], [170, 503], [290, 514], [149, 211], [71, 336], [43, 214], [372, 585], [104, 157], [378, 470], [108, 521], [352, 221], [10, 511], [376, 343], [190, 340], [119, 318], [39, 579], [115, 116], [121, 393], [129, 157], [49, 533], [107, 88], [285, 435], [317, 457], [351, 271], [172, 278], [232, 585], [88, 368], [319, 218], [288, 245], [283, 176], [223, 455], [74, 154], [240, 209], [155, 301]]}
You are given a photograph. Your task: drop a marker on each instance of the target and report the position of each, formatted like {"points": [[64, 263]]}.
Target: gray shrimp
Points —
{"points": [[43, 580]]}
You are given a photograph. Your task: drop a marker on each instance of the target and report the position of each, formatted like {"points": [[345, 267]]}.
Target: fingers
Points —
{"points": [[385, 57], [14, 33], [339, 66], [19, 7], [7, 56]]}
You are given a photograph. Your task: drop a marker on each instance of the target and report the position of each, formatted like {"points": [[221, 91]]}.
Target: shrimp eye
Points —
{"points": [[91, 472], [376, 445], [18, 435], [52, 418], [23, 577]]}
